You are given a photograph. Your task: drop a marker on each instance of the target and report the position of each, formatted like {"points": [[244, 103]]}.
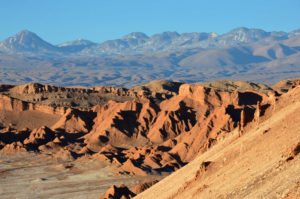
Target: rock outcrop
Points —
{"points": [[75, 121], [123, 191], [12, 104], [40, 136], [163, 127]]}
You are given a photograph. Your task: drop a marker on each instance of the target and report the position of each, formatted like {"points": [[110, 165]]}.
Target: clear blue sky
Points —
{"points": [[99, 20]]}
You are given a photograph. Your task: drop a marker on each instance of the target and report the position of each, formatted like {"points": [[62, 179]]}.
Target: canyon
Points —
{"points": [[129, 139]]}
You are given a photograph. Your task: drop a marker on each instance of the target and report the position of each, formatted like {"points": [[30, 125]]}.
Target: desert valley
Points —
{"points": [[219, 139]]}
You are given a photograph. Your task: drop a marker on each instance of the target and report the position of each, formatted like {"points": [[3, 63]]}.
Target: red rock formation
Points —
{"points": [[118, 192], [36, 88], [112, 90], [11, 104], [75, 121], [121, 124], [33, 88], [40, 136], [182, 126], [125, 192], [145, 135], [139, 188], [13, 148]]}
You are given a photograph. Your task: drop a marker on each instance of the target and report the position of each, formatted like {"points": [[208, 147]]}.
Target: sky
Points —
{"points": [[57, 21]]}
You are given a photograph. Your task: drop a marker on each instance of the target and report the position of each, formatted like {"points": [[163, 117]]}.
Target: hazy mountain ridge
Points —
{"points": [[137, 42], [243, 53]]}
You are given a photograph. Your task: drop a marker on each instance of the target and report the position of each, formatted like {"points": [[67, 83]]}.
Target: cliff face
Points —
{"points": [[177, 129], [262, 162], [11, 104]]}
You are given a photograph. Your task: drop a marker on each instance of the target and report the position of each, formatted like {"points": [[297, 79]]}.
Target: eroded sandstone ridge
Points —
{"points": [[262, 162], [155, 128]]}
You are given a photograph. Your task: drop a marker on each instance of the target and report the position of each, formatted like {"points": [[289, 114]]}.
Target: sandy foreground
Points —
{"points": [[32, 176]]}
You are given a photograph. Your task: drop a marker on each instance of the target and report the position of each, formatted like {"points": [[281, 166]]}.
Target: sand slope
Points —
{"points": [[263, 163]]}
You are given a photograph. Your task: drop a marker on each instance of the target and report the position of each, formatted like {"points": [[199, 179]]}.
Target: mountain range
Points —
{"points": [[242, 53]]}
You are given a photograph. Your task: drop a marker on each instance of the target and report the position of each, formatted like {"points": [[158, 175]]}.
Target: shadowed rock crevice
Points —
{"points": [[126, 122], [249, 98]]}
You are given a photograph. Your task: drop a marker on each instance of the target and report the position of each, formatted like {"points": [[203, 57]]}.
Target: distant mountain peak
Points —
{"points": [[166, 36], [25, 31], [76, 45], [136, 35], [170, 33], [23, 36], [244, 35], [26, 40]]}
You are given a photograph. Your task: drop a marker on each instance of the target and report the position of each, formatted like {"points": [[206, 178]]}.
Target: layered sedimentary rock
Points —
{"points": [[12, 104]]}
